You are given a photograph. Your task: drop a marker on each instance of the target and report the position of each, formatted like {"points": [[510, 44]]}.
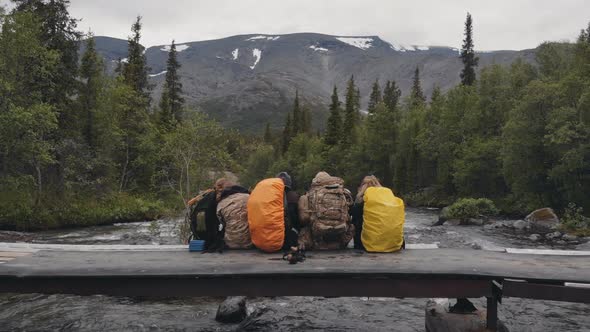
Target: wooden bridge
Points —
{"points": [[171, 271]]}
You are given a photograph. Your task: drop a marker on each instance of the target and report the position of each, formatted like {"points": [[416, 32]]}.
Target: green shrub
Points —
{"points": [[574, 221], [466, 208], [23, 215]]}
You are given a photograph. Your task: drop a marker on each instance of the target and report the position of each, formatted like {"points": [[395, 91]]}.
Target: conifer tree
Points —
{"points": [[267, 134], [171, 103], [287, 134], [135, 70], [351, 115], [391, 95], [297, 116], [468, 57], [375, 97], [91, 72], [306, 126], [417, 95], [59, 34], [334, 125]]}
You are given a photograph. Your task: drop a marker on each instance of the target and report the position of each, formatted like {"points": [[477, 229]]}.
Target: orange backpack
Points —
{"points": [[266, 215]]}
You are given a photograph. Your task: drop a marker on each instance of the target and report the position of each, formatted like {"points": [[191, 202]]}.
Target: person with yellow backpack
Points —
{"points": [[271, 217], [378, 216]]}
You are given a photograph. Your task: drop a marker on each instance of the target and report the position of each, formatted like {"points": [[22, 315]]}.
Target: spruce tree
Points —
{"points": [[306, 121], [334, 126], [91, 72], [171, 103], [135, 70], [391, 95], [375, 97], [351, 115], [297, 123], [417, 95], [59, 34], [287, 134], [267, 134], [468, 57]]}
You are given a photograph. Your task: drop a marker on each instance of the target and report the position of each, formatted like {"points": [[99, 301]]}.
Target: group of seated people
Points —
{"points": [[273, 217]]}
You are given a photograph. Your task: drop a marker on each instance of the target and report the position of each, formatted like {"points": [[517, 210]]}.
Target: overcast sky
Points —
{"points": [[499, 24]]}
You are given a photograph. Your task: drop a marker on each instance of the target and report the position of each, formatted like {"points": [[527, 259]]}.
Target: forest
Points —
{"points": [[80, 147]]}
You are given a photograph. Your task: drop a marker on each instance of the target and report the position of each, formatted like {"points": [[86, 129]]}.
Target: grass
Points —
{"points": [[18, 214]]}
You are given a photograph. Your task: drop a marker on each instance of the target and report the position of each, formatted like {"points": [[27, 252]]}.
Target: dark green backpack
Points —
{"points": [[204, 223]]}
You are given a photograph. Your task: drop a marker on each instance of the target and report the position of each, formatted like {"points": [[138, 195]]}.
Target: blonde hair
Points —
{"points": [[368, 181]]}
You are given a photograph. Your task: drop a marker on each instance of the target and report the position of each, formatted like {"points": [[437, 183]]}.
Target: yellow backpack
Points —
{"points": [[383, 220]]}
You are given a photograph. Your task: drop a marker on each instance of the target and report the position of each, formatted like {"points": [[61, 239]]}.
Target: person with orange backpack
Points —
{"points": [[379, 217], [271, 220]]}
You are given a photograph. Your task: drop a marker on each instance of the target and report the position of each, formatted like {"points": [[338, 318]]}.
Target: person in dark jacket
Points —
{"points": [[291, 212]]}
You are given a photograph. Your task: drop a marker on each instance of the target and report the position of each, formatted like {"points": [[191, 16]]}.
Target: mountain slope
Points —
{"points": [[245, 81]]}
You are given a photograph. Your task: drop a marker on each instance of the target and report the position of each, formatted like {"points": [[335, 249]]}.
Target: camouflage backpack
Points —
{"points": [[325, 209]]}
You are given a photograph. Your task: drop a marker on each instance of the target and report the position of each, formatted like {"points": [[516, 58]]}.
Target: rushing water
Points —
{"points": [[103, 313]]}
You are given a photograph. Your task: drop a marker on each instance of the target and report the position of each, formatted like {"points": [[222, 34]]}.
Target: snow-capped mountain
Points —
{"points": [[246, 80]]}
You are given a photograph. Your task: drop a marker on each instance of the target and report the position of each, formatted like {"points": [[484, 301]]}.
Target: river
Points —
{"points": [[103, 313]]}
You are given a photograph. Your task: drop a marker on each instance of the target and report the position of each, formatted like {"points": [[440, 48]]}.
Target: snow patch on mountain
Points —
{"points": [[271, 38], [158, 74], [318, 49], [408, 48], [235, 53], [256, 53], [179, 48], [359, 42]]}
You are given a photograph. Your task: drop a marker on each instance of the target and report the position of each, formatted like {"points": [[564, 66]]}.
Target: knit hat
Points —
{"points": [[286, 179]]}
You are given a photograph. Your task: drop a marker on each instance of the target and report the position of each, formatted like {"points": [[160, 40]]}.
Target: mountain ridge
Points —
{"points": [[246, 80]]}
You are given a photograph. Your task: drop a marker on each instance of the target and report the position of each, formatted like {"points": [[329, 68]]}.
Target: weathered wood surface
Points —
{"points": [[34, 247], [408, 264]]}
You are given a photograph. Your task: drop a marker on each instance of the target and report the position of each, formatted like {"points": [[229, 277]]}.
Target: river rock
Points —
{"points": [[535, 237], [476, 222], [543, 220], [553, 236], [439, 319], [520, 225], [232, 310], [569, 237]]}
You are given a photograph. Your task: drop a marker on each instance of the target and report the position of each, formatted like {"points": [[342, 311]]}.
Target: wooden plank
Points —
{"points": [[408, 264], [545, 292], [33, 247], [167, 286], [13, 254], [548, 252]]}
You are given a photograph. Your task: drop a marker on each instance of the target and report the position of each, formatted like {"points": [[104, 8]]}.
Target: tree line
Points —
{"points": [[78, 146], [517, 134]]}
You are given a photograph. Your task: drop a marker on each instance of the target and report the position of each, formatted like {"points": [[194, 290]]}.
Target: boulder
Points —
{"points": [[443, 216], [535, 237], [553, 236], [520, 225], [440, 319], [543, 220], [232, 310]]}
